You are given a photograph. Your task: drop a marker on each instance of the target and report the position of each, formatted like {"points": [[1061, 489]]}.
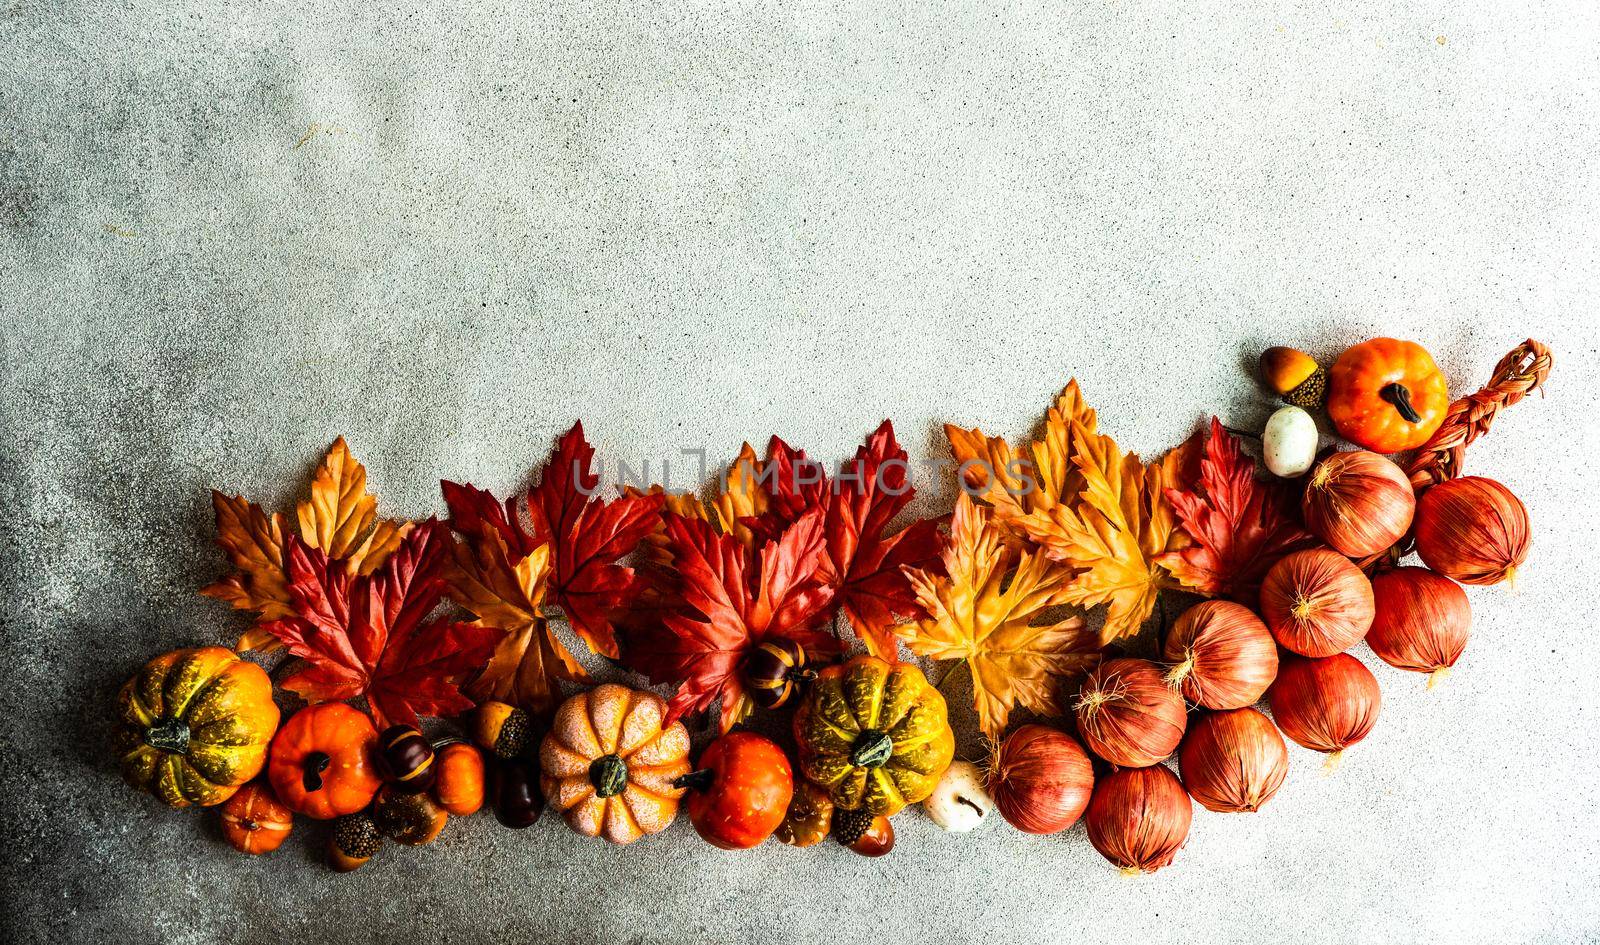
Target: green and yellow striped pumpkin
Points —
{"points": [[193, 725], [874, 734]]}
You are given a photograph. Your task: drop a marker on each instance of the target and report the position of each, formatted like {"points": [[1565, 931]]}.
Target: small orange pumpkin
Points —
{"points": [[254, 822], [609, 765], [459, 785], [1387, 395], [322, 761]]}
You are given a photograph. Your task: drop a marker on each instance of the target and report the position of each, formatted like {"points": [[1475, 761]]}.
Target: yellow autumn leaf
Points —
{"points": [[1113, 535], [340, 518], [985, 609], [1023, 486]]}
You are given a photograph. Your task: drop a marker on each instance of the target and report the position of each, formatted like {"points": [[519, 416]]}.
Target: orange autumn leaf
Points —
{"points": [[507, 593], [1115, 534], [988, 609], [340, 519], [1024, 486]]}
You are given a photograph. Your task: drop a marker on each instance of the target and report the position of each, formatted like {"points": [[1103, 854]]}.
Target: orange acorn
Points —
{"points": [[1295, 376]]}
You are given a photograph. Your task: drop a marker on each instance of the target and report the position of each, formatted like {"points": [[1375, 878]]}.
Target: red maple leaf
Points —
{"points": [[862, 564], [733, 598], [369, 635], [1240, 525], [586, 535]]}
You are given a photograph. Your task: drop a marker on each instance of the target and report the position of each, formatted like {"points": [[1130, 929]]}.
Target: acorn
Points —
{"points": [[355, 840], [411, 819], [773, 671], [407, 759], [518, 799], [863, 832], [502, 730], [1295, 376]]}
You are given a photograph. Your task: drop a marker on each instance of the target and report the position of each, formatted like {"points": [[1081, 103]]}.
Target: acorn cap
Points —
{"points": [[355, 840], [502, 730], [849, 825]]}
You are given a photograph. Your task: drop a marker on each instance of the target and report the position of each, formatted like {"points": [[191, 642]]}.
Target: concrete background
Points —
{"points": [[231, 231]]}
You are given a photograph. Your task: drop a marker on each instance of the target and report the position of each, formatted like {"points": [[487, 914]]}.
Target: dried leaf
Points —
{"points": [[506, 593], [1114, 534], [985, 610], [1025, 488], [340, 519], [253, 541], [1240, 525]]}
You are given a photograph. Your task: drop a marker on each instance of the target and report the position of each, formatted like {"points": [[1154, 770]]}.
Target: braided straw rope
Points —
{"points": [[1518, 374]]}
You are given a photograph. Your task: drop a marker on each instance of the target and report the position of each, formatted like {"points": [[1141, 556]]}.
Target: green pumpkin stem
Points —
{"points": [[696, 780], [609, 775], [872, 749], [315, 763], [169, 735], [1400, 396]]}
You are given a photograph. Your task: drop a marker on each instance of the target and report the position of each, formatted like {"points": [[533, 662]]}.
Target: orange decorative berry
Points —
{"points": [[459, 785]]}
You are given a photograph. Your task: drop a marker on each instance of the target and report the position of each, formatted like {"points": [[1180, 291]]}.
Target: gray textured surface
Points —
{"points": [[229, 232]]}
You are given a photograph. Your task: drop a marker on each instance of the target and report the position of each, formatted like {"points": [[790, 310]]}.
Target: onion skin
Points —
{"points": [[1139, 818], [1473, 530], [1359, 502], [1223, 656], [1317, 603], [1128, 715], [1325, 704], [1422, 620], [1234, 761], [1041, 780]]}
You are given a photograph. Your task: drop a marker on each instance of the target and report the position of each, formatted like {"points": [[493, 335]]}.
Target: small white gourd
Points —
{"points": [[1289, 442], [959, 803]]}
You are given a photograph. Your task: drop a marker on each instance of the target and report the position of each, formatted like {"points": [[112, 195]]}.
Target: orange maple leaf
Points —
{"points": [[988, 609], [340, 519]]}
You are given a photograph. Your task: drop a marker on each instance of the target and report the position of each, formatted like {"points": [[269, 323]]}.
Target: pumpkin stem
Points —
{"points": [[169, 735], [311, 777], [872, 749], [609, 775], [1400, 396], [696, 780]]}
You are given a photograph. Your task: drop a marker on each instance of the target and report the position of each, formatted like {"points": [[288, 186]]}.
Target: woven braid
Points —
{"points": [[1519, 373]]}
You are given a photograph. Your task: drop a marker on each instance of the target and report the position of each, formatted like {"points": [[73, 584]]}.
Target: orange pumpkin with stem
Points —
{"points": [[609, 765], [255, 822], [322, 761], [1387, 395]]}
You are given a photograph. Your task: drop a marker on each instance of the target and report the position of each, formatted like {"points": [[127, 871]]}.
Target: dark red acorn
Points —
{"points": [[518, 802], [407, 759], [773, 670]]}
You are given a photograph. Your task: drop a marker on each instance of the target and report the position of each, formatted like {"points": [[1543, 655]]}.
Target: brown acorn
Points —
{"points": [[863, 832], [355, 840], [502, 730], [1295, 376], [407, 758], [411, 819]]}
